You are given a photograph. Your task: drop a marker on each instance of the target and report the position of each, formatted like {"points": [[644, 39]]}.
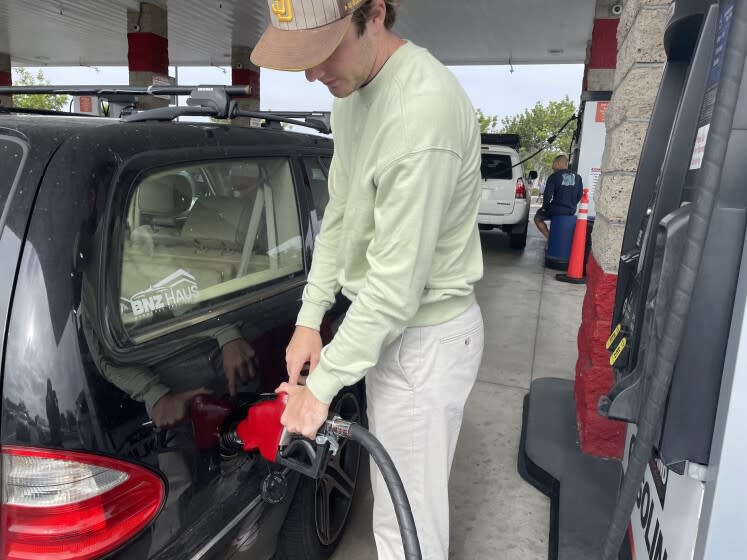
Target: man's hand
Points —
{"points": [[238, 356], [304, 414], [305, 346], [171, 409]]}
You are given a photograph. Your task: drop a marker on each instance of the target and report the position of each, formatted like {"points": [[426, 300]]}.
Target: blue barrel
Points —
{"points": [[559, 244]]}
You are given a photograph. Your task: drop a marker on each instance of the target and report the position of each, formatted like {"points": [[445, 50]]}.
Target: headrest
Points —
{"points": [[218, 221], [164, 195]]}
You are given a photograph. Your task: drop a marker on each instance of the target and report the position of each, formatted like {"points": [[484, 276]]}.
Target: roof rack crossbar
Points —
{"points": [[104, 91], [169, 114], [318, 120], [215, 101]]}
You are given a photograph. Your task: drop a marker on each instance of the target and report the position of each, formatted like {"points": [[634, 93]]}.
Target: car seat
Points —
{"points": [[162, 205]]}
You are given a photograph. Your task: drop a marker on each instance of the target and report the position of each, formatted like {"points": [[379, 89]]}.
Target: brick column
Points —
{"points": [[148, 50], [640, 63], [244, 73], [601, 57], [6, 79]]}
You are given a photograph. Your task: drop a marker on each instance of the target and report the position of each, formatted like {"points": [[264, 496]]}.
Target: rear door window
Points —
{"points": [[204, 233], [12, 157], [496, 166]]}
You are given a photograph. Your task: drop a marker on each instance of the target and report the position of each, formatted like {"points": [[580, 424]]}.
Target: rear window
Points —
{"points": [[12, 156], [203, 233], [496, 166]]}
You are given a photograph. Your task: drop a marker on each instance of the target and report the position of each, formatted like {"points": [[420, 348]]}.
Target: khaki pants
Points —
{"points": [[416, 395]]}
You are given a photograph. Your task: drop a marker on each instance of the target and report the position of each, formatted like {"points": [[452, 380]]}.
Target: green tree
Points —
{"points": [[22, 77], [535, 126], [487, 122]]}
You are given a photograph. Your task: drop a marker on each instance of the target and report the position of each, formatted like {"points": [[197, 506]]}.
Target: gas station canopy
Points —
{"points": [[202, 32]]}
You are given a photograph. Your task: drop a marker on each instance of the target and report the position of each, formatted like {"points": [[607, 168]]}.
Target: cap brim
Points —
{"points": [[281, 49]]}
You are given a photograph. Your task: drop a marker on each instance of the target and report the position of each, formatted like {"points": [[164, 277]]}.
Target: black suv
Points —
{"points": [[134, 254]]}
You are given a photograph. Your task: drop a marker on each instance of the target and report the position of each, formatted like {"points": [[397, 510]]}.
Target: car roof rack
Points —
{"points": [[510, 140], [51, 112], [217, 101], [318, 120]]}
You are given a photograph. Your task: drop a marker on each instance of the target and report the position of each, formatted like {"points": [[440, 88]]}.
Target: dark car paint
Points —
{"points": [[213, 508]]}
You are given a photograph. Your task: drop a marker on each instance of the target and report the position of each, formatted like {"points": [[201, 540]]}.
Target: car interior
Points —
{"points": [[202, 232]]}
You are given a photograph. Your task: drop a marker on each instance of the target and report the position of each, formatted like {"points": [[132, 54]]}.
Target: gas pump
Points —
{"points": [[678, 320], [591, 134]]}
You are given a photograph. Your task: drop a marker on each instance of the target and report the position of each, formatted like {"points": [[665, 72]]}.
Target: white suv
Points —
{"points": [[504, 201]]}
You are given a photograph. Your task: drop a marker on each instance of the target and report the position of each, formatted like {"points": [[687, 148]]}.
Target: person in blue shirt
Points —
{"points": [[563, 191]]}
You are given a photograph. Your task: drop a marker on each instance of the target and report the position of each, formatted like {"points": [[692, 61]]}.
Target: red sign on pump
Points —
{"points": [[601, 111], [86, 104]]}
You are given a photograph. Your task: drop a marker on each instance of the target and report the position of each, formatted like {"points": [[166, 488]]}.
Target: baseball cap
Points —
{"points": [[303, 33]]}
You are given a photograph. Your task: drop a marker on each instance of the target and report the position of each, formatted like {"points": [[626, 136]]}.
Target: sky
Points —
{"points": [[493, 89]]}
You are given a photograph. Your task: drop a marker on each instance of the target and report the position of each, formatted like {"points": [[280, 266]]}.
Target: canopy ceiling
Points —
{"points": [[201, 32]]}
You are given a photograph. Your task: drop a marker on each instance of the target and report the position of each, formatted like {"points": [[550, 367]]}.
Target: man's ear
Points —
{"points": [[378, 14]]}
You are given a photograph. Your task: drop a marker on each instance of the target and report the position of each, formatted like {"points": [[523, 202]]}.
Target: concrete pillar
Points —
{"points": [[599, 77], [6, 79], [601, 56], [244, 73], [148, 50], [640, 64]]}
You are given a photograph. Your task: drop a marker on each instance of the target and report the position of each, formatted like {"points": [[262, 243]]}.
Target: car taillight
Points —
{"points": [[69, 505], [521, 191]]}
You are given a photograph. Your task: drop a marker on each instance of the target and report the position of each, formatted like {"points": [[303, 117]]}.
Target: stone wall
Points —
{"points": [[640, 64]]}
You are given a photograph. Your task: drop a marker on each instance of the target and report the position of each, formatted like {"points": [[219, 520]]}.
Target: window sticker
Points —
{"points": [[706, 111], [177, 289], [696, 161]]}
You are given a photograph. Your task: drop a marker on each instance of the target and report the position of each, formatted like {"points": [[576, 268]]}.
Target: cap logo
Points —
{"points": [[350, 5], [298, 15], [283, 9]]}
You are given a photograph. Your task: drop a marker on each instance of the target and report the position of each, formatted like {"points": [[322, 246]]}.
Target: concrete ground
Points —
{"points": [[531, 323]]}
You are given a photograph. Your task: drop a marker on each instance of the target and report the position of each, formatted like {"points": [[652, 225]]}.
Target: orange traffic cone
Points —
{"points": [[575, 274]]}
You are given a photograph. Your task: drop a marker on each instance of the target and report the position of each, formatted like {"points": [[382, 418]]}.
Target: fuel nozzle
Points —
{"points": [[261, 431], [311, 458]]}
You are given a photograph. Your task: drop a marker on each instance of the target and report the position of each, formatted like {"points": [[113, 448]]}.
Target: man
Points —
{"points": [[563, 191], [400, 238]]}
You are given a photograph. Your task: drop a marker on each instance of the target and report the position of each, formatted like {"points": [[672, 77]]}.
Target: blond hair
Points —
{"points": [[560, 162]]}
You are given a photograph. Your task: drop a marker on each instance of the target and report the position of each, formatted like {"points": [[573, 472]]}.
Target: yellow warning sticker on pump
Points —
{"points": [[613, 336], [618, 351]]}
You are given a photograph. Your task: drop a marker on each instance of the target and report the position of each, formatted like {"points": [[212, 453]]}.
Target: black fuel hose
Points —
{"points": [[356, 432], [652, 409]]}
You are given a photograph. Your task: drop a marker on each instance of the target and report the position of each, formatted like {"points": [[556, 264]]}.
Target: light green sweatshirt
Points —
{"points": [[399, 234]]}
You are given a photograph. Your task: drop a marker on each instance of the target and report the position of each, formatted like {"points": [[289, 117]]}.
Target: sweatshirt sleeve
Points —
{"points": [[321, 286], [224, 335], [413, 194], [139, 382]]}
